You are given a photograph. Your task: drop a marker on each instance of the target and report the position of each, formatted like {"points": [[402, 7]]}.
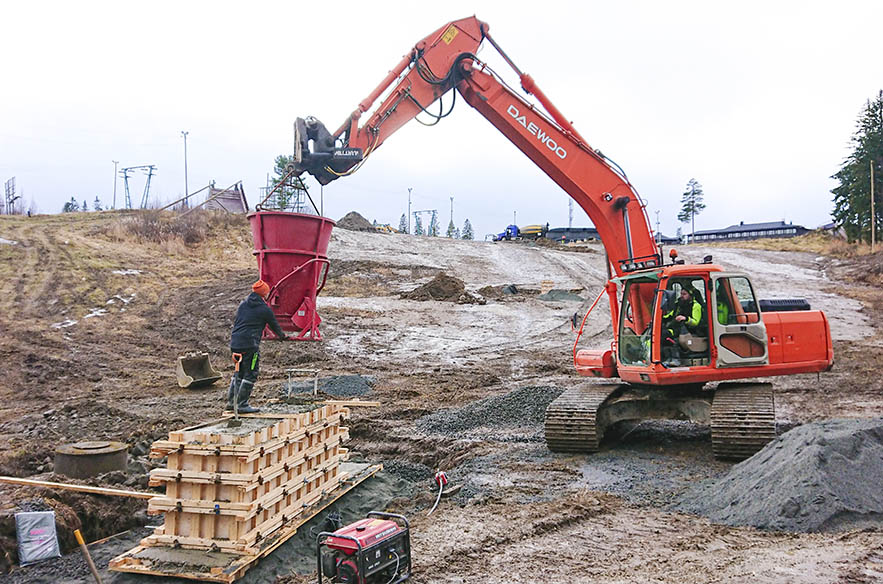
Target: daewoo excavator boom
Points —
{"points": [[676, 326]]}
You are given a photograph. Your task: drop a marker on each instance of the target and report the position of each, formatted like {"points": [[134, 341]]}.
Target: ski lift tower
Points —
{"points": [[149, 170]]}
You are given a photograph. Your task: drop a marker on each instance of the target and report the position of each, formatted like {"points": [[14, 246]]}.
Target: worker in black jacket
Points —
{"points": [[252, 316]]}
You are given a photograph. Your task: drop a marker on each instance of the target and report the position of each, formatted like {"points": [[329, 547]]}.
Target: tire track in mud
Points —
{"points": [[592, 537], [28, 279]]}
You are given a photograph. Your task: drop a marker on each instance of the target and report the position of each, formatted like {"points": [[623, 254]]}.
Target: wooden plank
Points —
{"points": [[352, 403], [80, 488], [238, 565]]}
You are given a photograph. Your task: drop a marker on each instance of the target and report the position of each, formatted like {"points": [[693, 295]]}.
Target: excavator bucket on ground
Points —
{"points": [[195, 370]]}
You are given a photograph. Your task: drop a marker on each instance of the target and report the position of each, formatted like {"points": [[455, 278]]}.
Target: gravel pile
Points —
{"points": [[337, 385], [355, 222], [523, 408], [817, 477], [413, 472]]}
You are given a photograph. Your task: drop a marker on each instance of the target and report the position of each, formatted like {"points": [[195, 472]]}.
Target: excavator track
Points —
{"points": [[743, 419], [571, 420]]}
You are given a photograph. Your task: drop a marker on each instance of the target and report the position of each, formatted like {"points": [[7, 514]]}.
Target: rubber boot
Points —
{"points": [[230, 393], [244, 393]]}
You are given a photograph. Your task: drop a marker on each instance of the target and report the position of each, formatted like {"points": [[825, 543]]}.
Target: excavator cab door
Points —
{"points": [[739, 333]]}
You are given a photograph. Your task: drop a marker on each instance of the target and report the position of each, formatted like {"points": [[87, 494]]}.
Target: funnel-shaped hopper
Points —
{"points": [[291, 250]]}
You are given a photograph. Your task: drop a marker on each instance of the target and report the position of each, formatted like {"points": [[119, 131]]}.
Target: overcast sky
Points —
{"points": [[756, 100]]}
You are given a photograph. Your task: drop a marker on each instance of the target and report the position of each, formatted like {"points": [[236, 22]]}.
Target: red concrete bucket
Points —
{"points": [[292, 249]]}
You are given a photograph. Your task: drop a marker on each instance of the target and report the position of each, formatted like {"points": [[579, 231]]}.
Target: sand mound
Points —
{"points": [[355, 222], [445, 288], [819, 476]]}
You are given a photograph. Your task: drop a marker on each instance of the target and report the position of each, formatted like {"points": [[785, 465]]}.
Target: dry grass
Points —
{"points": [[172, 230], [814, 242]]}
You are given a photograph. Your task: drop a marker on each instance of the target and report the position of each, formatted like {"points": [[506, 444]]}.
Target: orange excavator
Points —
{"points": [[677, 327]]}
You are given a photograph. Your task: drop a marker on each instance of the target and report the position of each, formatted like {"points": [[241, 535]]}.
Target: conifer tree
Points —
{"points": [[467, 230], [852, 197], [691, 205]]}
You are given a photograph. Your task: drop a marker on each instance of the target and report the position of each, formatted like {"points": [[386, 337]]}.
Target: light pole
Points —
{"points": [[409, 210], [186, 189], [115, 162], [658, 235]]}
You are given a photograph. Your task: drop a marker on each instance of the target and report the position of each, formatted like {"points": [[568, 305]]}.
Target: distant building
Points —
{"points": [[833, 229], [744, 231], [231, 200], [568, 234], [666, 239]]}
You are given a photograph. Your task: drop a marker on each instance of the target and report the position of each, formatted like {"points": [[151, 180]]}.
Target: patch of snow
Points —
{"points": [[64, 324], [122, 299], [4, 241], [126, 272], [96, 312]]}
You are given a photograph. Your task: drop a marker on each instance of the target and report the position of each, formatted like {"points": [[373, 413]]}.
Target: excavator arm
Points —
{"points": [[446, 60]]}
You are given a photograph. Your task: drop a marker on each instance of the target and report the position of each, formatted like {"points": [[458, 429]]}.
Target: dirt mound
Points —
{"points": [[445, 288], [523, 408], [355, 222], [820, 476]]}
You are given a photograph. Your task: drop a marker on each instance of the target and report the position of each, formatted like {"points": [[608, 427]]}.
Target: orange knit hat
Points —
{"points": [[261, 288]]}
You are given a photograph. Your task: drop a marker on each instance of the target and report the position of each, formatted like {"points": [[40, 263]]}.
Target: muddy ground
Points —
{"points": [[94, 308]]}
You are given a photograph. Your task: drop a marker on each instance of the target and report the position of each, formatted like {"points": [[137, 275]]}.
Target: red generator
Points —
{"points": [[374, 550]]}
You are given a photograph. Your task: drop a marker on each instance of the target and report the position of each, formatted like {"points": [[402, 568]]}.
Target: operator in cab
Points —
{"points": [[689, 311], [252, 316], [680, 313]]}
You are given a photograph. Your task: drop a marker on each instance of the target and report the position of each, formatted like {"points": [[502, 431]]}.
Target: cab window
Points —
{"points": [[735, 302], [635, 322]]}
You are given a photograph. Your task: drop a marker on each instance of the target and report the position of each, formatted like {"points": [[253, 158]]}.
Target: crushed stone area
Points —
{"points": [[819, 476], [521, 411]]}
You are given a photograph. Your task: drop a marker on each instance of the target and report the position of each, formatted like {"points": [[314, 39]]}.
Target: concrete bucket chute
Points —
{"points": [[291, 249]]}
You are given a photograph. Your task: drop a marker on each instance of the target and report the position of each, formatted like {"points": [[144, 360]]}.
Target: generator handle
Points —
{"points": [[384, 515], [320, 542]]}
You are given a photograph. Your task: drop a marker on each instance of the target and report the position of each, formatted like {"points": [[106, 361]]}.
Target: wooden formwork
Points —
{"points": [[226, 567], [228, 489]]}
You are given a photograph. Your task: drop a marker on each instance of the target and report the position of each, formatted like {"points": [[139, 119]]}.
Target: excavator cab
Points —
{"points": [[720, 327]]}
